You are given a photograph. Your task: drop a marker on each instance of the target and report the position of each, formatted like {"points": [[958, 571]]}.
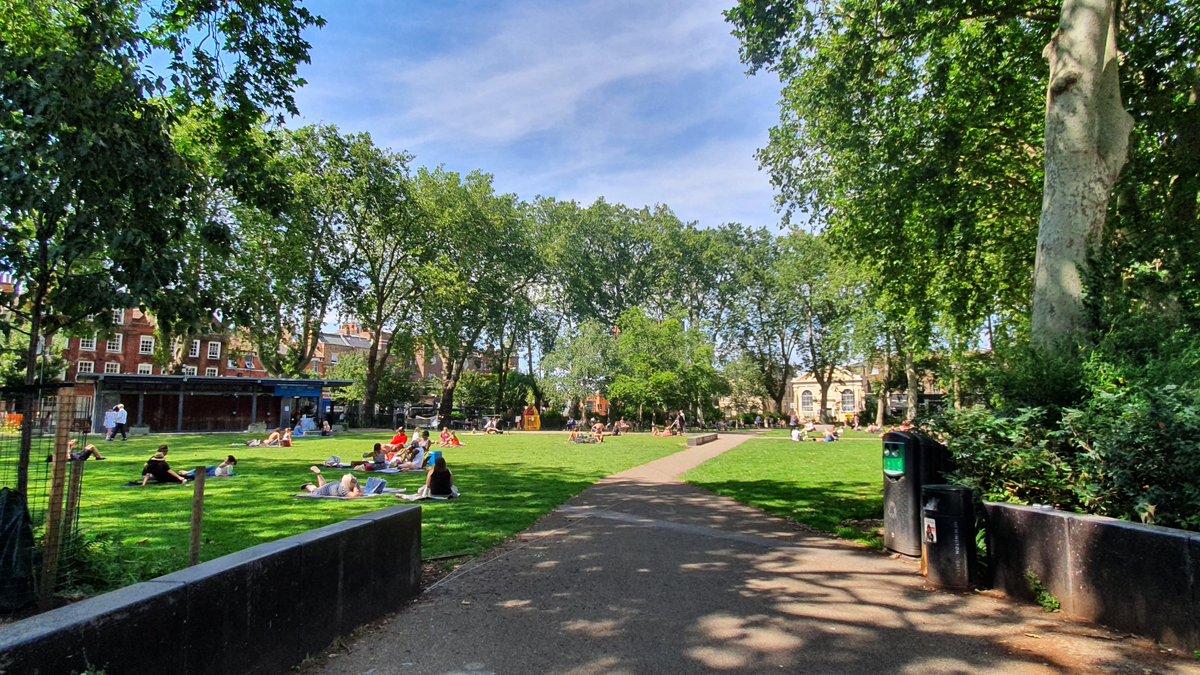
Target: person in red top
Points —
{"points": [[400, 439]]}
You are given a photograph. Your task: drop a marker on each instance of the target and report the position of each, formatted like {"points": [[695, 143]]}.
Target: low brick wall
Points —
{"points": [[261, 610], [701, 439], [1138, 578]]}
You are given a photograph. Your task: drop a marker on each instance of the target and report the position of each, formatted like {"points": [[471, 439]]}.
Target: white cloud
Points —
{"points": [[545, 66]]}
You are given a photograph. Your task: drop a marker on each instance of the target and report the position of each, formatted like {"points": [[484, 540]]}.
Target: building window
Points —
{"points": [[232, 364], [87, 344], [214, 350], [112, 368], [194, 350], [119, 317], [806, 401], [250, 362], [189, 370], [146, 345], [333, 359], [114, 343], [85, 367], [848, 401], [210, 372], [145, 369]]}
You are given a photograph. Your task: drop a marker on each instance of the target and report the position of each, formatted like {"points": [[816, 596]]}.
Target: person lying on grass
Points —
{"points": [[378, 460], [347, 487], [439, 482], [89, 450], [271, 441], [158, 470], [219, 471]]}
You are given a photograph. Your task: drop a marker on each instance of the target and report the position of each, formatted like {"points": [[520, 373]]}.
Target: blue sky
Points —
{"points": [[641, 102]]}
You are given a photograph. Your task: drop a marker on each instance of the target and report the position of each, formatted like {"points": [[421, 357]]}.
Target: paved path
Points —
{"points": [[644, 574]]}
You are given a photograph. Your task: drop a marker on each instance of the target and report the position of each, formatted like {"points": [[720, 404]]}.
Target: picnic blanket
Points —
{"points": [[387, 470], [386, 491]]}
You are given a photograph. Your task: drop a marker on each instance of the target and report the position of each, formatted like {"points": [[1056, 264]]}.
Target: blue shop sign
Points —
{"points": [[298, 390]]}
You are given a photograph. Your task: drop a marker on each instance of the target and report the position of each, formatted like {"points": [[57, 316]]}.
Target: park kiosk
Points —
{"points": [[910, 461]]}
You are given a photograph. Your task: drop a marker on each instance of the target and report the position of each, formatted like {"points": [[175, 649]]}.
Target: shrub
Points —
{"points": [[1140, 454], [1018, 457]]}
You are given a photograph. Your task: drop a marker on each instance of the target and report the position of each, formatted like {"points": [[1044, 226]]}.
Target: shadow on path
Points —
{"points": [[644, 574]]}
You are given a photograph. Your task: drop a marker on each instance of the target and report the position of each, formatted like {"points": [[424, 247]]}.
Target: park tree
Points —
{"points": [[290, 264], [97, 198], [663, 365], [395, 385], [830, 294], [479, 262], [606, 258], [581, 365], [762, 319], [389, 243], [900, 136], [1087, 138]]}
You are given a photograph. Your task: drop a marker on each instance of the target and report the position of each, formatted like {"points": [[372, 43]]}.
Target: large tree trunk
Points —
{"points": [[914, 385], [1087, 136]]}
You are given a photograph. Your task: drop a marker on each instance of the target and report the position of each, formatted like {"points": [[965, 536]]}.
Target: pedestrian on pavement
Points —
{"points": [[110, 423], [122, 419]]}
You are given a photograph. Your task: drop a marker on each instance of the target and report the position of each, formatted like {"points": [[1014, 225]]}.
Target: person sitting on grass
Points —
{"points": [[378, 457], [326, 430], [439, 482], [454, 442], [490, 427], [598, 431], [400, 439], [89, 450], [573, 437], [444, 441], [347, 487], [219, 471], [286, 440], [158, 470], [418, 450]]}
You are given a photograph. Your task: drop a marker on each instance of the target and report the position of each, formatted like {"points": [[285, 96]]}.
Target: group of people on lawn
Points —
{"points": [[400, 454], [158, 470]]}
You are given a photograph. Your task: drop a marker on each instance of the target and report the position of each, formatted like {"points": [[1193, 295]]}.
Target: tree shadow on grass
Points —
{"points": [[829, 507]]}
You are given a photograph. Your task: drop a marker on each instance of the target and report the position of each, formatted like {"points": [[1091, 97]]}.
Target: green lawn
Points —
{"points": [[507, 481], [832, 487]]}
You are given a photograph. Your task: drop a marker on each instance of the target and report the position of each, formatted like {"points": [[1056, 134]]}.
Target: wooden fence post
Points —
{"points": [[52, 542], [197, 514]]}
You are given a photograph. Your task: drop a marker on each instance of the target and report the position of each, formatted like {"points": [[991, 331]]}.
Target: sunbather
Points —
{"points": [[378, 460], [439, 482], [347, 487], [89, 450], [159, 470], [444, 441], [418, 451], [219, 471], [271, 441]]}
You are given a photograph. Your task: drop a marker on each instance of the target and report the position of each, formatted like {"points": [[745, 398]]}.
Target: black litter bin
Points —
{"points": [[910, 460], [948, 535]]}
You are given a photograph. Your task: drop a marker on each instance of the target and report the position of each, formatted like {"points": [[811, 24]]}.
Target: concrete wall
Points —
{"points": [[1139, 578], [261, 610]]}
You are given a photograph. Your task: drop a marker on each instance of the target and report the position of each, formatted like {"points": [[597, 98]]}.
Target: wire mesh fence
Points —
{"points": [[36, 540]]}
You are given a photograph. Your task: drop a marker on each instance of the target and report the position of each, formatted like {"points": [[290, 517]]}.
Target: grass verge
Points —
{"points": [[508, 482], [831, 487]]}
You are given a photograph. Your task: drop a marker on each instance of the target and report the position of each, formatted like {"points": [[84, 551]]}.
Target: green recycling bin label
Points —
{"points": [[893, 459]]}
